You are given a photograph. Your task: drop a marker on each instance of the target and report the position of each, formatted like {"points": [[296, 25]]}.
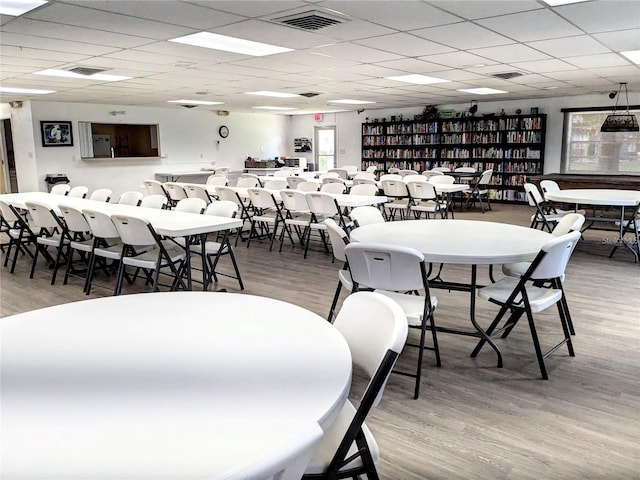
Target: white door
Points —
{"points": [[325, 140]]}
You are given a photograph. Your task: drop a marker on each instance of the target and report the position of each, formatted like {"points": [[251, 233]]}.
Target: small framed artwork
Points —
{"points": [[56, 134], [534, 110]]}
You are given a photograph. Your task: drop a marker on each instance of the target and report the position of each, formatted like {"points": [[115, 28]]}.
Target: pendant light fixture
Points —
{"points": [[620, 122]]}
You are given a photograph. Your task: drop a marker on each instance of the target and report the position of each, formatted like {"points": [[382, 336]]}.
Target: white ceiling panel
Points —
{"points": [[43, 43], [544, 66], [570, 46], [603, 16], [510, 53], [525, 27], [473, 9], [463, 35], [603, 60], [405, 44], [620, 41]]}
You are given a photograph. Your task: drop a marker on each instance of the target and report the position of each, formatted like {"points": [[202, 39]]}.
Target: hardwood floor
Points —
{"points": [[472, 420]]}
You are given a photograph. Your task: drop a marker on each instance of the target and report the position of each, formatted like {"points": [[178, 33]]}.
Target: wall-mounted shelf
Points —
{"points": [[513, 146]]}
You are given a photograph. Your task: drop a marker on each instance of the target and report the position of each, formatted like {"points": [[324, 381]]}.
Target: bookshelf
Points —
{"points": [[511, 145]]}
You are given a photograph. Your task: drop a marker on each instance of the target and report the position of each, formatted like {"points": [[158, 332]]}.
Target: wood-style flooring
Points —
{"points": [[472, 420]]}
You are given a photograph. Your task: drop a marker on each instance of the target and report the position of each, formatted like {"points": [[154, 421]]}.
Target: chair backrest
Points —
{"points": [[196, 191], [261, 198], [131, 198], [351, 169], [486, 177], [405, 173], [276, 184], [338, 238], [571, 222], [322, 203], [364, 189], [342, 173], [221, 171], [42, 216], [294, 200], [222, 208], [422, 190], [364, 181], [294, 181], [390, 176], [549, 186], [372, 169], [308, 186], [441, 179], [386, 267], [283, 173], [329, 175], [533, 195], [60, 189], [154, 201], [248, 181], [281, 462], [394, 170], [553, 257], [333, 187], [74, 219], [465, 169], [79, 191], [217, 180], [366, 215], [227, 193], [154, 187], [365, 175], [414, 178], [134, 230], [101, 195], [394, 188], [191, 205], [101, 224], [8, 214], [372, 325], [175, 191], [441, 169], [332, 180], [432, 173]]}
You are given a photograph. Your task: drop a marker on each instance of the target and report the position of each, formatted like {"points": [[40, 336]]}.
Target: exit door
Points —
{"points": [[325, 139]]}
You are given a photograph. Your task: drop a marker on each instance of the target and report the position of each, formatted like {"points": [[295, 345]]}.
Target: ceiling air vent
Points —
{"points": [[507, 75], [309, 94], [87, 70], [311, 20]]}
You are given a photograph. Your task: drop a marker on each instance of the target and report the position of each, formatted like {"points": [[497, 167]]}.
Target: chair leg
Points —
{"points": [[536, 345], [335, 301]]}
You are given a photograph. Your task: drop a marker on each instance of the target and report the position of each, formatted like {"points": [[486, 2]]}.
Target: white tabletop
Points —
{"points": [[192, 173], [467, 242], [593, 196], [165, 222], [163, 385], [450, 187]]}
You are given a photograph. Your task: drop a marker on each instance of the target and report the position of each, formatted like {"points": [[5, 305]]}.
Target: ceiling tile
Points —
{"points": [[404, 44], [525, 27], [473, 9], [463, 35], [510, 53], [569, 46]]}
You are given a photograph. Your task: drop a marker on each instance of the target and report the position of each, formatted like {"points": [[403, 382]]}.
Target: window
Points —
{"points": [[588, 150], [103, 140]]}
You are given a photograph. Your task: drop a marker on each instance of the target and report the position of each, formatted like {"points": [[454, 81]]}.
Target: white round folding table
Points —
{"points": [[463, 242], [163, 385]]}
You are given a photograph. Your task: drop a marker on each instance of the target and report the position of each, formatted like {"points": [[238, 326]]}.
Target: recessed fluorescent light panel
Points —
{"points": [[18, 7], [273, 94], [101, 77], [265, 107], [25, 90], [633, 55], [230, 44], [348, 101], [417, 79], [482, 91], [194, 102], [557, 3]]}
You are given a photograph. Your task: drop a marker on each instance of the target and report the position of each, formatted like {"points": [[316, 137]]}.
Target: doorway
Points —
{"points": [[325, 140], [8, 177]]}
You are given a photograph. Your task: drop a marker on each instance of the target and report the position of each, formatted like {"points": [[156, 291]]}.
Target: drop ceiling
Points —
{"points": [[560, 51]]}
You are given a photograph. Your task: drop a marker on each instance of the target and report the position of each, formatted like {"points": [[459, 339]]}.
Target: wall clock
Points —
{"points": [[223, 131]]}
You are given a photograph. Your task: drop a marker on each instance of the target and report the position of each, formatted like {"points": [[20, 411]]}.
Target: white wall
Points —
{"points": [[349, 135], [187, 140]]}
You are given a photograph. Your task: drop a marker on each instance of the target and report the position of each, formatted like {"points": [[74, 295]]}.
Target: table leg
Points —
{"points": [[472, 311], [205, 266]]}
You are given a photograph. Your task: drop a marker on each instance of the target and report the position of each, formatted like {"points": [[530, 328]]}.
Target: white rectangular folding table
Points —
{"points": [[165, 222]]}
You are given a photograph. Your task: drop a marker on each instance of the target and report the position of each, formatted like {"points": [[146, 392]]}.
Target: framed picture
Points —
{"points": [[534, 110], [56, 134]]}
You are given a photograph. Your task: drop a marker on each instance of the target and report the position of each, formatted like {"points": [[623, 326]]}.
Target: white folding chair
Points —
{"points": [[154, 201], [322, 206], [175, 192], [79, 191], [101, 195], [131, 198], [217, 180], [531, 294], [267, 214], [297, 216], [80, 239], [60, 189], [191, 205], [392, 270], [338, 239], [366, 215], [196, 191], [424, 199], [375, 329]]}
